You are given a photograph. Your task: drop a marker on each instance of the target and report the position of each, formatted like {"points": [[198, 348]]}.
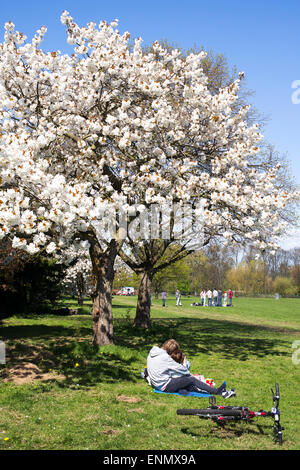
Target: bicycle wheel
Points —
{"points": [[211, 412]]}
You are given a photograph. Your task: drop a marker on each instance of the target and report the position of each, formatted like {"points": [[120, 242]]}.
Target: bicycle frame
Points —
{"points": [[222, 414]]}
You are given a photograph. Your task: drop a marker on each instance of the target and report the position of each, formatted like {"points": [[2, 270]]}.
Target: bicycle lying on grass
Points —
{"points": [[222, 414]]}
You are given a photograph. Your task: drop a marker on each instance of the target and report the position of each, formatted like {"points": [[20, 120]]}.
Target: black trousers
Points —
{"points": [[189, 383]]}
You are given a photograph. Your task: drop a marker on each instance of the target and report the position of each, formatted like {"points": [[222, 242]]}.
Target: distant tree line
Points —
{"points": [[224, 267], [37, 283]]}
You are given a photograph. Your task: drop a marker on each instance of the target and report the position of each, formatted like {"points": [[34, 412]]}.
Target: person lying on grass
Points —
{"points": [[170, 376]]}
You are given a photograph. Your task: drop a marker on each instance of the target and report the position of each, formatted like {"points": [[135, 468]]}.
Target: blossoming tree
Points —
{"points": [[78, 277], [110, 127]]}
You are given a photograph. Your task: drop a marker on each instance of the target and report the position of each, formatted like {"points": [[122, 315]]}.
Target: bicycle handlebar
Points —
{"points": [[276, 415], [276, 395]]}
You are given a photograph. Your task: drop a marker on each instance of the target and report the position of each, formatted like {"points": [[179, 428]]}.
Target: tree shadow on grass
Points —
{"points": [[41, 332], [69, 351], [124, 307], [228, 431], [206, 336], [72, 354]]}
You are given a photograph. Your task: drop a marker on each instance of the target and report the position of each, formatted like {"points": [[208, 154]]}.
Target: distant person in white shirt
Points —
{"points": [[203, 298], [178, 298], [215, 296], [209, 298]]}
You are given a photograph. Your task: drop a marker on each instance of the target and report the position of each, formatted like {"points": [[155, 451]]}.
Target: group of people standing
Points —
{"points": [[209, 298], [216, 298]]}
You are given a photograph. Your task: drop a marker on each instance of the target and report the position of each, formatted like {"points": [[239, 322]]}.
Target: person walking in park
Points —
{"points": [[230, 297], [178, 297], [163, 297]]}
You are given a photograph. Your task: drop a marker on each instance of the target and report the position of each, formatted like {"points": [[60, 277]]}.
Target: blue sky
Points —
{"points": [[260, 38]]}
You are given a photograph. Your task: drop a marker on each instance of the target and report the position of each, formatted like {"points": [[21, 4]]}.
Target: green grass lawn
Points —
{"points": [[95, 398]]}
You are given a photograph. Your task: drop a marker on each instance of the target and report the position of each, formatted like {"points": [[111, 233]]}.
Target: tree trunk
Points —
{"points": [[102, 312], [80, 288], [103, 270], [142, 317]]}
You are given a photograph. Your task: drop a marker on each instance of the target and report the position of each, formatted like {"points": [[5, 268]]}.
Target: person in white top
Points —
{"points": [[215, 296], [178, 297], [225, 299], [209, 298], [203, 298], [167, 375]]}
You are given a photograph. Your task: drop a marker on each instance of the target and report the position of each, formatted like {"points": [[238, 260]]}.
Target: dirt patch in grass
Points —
{"points": [[27, 363], [109, 432], [128, 399], [136, 410], [22, 351], [27, 372]]}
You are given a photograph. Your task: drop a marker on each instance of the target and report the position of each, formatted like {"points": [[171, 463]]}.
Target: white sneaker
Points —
{"points": [[149, 381], [228, 393]]}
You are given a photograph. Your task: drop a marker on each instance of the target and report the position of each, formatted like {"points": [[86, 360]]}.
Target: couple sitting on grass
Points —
{"points": [[169, 371]]}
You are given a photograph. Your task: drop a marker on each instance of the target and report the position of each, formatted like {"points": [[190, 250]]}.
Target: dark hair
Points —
{"points": [[178, 356]]}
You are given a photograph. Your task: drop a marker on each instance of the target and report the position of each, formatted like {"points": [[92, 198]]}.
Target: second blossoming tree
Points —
{"points": [[109, 126]]}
